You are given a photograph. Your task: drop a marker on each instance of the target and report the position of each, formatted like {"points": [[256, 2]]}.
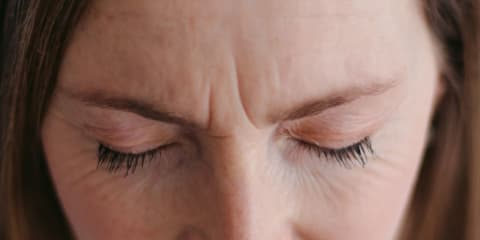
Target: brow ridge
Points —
{"points": [[316, 107], [147, 110]]}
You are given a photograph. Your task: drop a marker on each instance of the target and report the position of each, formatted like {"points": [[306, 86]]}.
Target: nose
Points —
{"points": [[250, 201]]}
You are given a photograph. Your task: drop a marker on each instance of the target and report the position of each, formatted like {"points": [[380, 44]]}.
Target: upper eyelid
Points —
{"points": [[146, 151], [152, 134], [136, 148], [113, 132]]}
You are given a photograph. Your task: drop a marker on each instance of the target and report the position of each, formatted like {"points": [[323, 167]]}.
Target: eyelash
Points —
{"points": [[358, 153], [113, 161]]}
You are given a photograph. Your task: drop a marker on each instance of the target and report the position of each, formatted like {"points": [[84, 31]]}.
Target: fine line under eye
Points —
{"points": [[358, 153]]}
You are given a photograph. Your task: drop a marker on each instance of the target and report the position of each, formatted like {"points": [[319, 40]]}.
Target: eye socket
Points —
{"points": [[349, 156], [113, 160]]}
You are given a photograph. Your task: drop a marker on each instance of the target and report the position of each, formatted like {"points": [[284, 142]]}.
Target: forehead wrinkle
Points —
{"points": [[257, 81], [172, 78]]}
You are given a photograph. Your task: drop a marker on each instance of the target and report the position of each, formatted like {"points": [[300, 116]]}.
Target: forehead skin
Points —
{"points": [[228, 63]]}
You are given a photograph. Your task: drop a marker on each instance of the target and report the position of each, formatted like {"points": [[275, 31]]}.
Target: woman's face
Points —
{"points": [[227, 119]]}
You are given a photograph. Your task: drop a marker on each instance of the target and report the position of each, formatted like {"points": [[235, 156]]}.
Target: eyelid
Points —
{"points": [[320, 135], [131, 140], [355, 120], [137, 150], [117, 134], [336, 129]]}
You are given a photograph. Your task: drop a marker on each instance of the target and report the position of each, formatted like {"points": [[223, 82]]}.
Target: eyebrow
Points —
{"points": [[103, 99], [335, 99]]}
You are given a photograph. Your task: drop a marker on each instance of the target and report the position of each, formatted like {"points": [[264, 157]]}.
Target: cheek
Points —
{"points": [[367, 202]]}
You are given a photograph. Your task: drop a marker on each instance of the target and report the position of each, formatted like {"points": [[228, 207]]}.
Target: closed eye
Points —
{"points": [[113, 160], [358, 153]]}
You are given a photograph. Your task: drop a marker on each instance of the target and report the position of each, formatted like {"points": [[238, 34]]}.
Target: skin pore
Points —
{"points": [[229, 98]]}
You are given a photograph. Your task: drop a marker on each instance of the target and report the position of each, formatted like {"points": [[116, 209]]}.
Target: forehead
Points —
{"points": [[220, 56]]}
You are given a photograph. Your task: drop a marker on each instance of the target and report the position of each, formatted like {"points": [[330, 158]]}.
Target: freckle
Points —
{"points": [[191, 233], [110, 17]]}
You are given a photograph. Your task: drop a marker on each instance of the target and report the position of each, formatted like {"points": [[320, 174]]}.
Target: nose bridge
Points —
{"points": [[244, 197], [236, 166]]}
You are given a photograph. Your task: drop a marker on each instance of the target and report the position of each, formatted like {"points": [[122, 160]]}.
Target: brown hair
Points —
{"points": [[39, 34], [442, 203], [446, 201]]}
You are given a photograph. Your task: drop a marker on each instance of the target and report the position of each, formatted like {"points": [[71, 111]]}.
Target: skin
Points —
{"points": [[230, 70]]}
